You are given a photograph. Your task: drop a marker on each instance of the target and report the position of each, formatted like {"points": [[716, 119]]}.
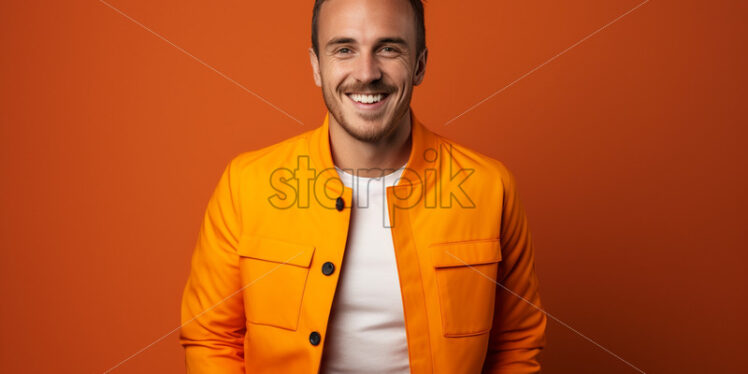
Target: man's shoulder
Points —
{"points": [[470, 158], [274, 155]]}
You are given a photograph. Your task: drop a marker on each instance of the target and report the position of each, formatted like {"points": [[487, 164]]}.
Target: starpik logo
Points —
{"points": [[437, 185]]}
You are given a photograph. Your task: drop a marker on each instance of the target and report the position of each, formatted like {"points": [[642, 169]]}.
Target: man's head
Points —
{"points": [[367, 55]]}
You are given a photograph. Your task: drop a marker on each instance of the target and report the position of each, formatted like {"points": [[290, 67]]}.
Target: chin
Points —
{"points": [[367, 130], [365, 127]]}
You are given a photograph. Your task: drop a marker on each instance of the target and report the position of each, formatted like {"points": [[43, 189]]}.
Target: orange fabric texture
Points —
{"points": [[256, 290]]}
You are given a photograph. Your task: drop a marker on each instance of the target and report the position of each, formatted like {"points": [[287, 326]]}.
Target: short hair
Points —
{"points": [[420, 26]]}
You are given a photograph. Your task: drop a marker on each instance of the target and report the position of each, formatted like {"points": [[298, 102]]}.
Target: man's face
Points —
{"points": [[367, 64]]}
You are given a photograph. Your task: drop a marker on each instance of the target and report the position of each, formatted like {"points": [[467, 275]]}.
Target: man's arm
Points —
{"points": [[518, 332], [213, 324]]}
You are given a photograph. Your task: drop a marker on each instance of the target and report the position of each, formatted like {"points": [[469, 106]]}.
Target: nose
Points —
{"points": [[367, 68]]}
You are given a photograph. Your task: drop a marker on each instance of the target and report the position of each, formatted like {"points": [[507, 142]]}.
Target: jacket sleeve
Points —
{"points": [[518, 331], [212, 310]]}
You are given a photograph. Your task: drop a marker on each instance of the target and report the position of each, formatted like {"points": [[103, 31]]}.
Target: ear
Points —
{"points": [[315, 67], [420, 67]]}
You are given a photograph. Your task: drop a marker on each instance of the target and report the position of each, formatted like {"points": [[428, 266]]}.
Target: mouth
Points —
{"points": [[368, 101]]}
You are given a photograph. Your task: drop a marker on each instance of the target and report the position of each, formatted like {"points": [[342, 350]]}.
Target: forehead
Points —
{"points": [[366, 20]]}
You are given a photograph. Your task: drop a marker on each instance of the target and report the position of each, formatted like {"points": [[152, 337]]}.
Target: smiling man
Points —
{"points": [[369, 244]]}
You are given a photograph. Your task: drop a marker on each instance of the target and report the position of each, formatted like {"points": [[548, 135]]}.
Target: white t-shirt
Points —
{"points": [[366, 332]]}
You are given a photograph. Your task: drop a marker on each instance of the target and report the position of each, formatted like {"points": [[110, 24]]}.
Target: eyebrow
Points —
{"points": [[340, 40], [347, 40], [400, 41]]}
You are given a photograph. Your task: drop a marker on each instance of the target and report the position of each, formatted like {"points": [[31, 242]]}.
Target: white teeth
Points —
{"points": [[367, 99]]}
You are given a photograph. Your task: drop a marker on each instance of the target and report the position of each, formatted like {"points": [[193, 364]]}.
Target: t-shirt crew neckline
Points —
{"points": [[389, 179]]}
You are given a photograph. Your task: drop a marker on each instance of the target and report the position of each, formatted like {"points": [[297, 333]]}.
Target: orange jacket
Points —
{"points": [[257, 300]]}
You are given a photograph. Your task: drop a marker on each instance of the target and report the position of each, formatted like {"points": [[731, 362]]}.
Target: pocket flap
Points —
{"points": [[462, 253], [276, 251]]}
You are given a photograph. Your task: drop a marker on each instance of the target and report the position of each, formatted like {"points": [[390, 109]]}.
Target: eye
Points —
{"points": [[344, 50], [389, 50]]}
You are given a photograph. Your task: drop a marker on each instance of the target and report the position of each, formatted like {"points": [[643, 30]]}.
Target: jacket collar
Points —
{"points": [[423, 155]]}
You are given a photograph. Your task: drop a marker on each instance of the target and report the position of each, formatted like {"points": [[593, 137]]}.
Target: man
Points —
{"points": [[369, 244]]}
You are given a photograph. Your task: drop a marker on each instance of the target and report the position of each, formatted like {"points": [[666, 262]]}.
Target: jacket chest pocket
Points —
{"points": [[273, 275], [466, 283]]}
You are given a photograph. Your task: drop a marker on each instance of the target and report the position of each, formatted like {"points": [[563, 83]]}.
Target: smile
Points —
{"points": [[367, 98]]}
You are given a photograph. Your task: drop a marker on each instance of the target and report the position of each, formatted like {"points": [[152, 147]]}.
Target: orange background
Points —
{"points": [[629, 151]]}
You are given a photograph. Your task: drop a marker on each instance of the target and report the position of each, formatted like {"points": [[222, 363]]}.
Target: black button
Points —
{"points": [[339, 204], [314, 338], [328, 268]]}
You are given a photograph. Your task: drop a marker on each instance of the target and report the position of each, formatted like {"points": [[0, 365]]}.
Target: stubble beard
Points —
{"points": [[371, 135]]}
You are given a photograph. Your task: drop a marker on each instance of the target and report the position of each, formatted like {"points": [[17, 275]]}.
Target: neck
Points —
{"points": [[367, 159]]}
